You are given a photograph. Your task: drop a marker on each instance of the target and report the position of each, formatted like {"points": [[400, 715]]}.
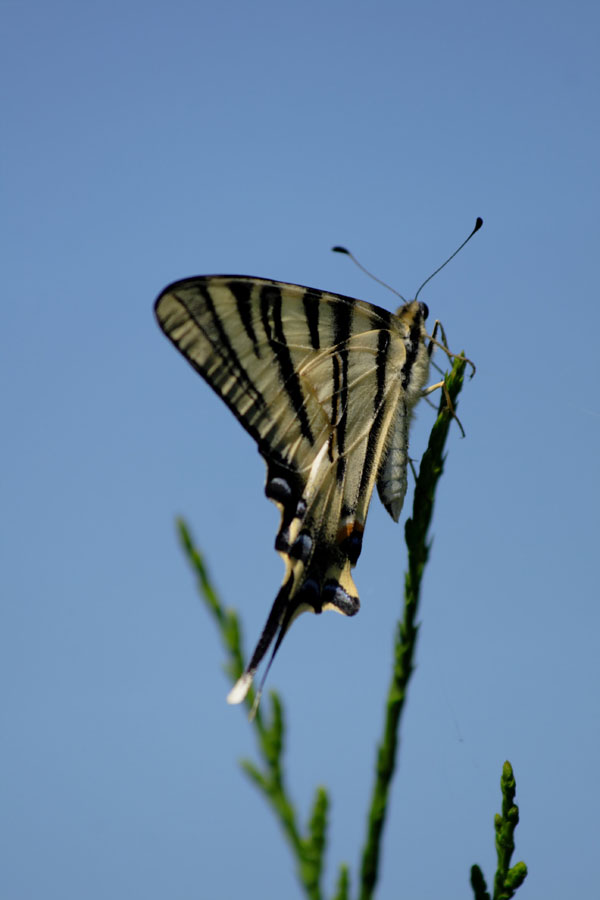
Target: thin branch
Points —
{"points": [[309, 850], [404, 648], [507, 878], [342, 890]]}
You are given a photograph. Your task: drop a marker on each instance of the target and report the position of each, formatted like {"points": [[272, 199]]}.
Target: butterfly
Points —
{"points": [[326, 385]]}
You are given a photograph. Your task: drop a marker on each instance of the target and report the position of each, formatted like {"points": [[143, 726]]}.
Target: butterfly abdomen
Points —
{"points": [[412, 376]]}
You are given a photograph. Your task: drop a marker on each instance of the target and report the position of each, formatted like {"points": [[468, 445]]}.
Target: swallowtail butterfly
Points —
{"points": [[326, 385]]}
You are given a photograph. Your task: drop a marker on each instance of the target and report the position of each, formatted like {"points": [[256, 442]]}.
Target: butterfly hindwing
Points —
{"points": [[325, 385]]}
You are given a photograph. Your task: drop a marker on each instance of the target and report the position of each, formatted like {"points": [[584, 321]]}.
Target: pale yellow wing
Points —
{"points": [[321, 382]]}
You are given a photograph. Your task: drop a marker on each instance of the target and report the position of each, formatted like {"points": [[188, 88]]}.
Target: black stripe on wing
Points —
{"points": [[220, 346], [242, 291], [342, 325], [312, 301], [379, 408], [271, 312]]}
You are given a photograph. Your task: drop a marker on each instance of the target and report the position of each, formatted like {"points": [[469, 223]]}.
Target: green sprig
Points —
{"points": [[416, 530], [507, 879]]}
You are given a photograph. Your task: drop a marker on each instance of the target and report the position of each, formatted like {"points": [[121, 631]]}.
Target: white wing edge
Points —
{"points": [[240, 689]]}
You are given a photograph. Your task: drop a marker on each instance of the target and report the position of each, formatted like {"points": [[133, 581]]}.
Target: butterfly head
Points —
{"points": [[413, 313]]}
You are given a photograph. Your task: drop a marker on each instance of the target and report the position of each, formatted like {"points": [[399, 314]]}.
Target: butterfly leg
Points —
{"points": [[442, 385], [443, 345]]}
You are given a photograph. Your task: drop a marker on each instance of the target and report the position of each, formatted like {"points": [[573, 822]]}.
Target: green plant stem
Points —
{"points": [[404, 647], [269, 778], [507, 879]]}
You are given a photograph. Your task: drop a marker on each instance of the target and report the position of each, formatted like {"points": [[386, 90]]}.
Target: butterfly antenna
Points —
{"points": [[478, 224], [370, 274]]}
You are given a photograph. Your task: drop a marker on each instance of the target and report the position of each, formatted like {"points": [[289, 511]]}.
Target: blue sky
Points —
{"points": [[146, 142]]}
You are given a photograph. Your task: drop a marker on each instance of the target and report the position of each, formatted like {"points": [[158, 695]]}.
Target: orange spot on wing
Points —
{"points": [[348, 528]]}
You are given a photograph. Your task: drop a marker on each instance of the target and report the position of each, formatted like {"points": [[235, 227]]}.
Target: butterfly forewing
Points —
{"points": [[325, 385]]}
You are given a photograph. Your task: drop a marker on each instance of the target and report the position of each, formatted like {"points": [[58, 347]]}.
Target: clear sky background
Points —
{"points": [[145, 142]]}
